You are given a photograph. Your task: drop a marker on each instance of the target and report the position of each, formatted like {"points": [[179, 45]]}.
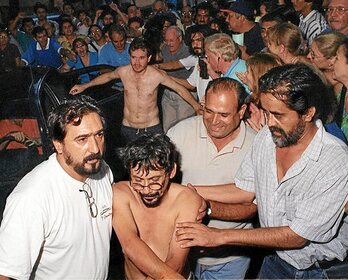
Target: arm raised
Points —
{"points": [[102, 79]]}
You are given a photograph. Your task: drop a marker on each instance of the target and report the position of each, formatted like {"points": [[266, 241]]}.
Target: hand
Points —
{"points": [[113, 6], [257, 117], [76, 89], [190, 234], [210, 70], [98, 13], [202, 211], [244, 79], [20, 15], [244, 54], [19, 136], [72, 56]]}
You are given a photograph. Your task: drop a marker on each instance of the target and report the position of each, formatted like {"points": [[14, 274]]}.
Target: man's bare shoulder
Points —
{"points": [[123, 69], [185, 195], [121, 188]]}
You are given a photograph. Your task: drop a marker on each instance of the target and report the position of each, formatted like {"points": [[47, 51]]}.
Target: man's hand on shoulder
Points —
{"points": [[202, 211]]}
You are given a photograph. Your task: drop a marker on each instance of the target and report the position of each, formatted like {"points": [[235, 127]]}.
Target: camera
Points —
{"points": [[203, 70]]}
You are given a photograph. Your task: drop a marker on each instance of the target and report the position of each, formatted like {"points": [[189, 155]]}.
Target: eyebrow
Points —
{"points": [[89, 134]]}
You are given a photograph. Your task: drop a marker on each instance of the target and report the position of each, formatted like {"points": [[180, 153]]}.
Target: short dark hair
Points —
{"points": [[71, 111], [38, 30], [27, 19], [149, 152], [39, 5], [226, 83], [299, 87], [65, 20], [140, 43], [135, 19]]}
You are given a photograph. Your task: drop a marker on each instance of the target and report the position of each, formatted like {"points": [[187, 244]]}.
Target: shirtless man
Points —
{"points": [[141, 81], [147, 207]]}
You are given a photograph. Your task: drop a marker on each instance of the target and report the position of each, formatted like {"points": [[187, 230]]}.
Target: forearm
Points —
{"points": [[100, 80], [171, 65], [4, 277], [227, 193], [148, 262], [275, 237], [188, 97], [232, 211]]}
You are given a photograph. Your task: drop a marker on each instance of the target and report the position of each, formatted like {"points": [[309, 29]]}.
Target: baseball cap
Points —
{"points": [[240, 7]]}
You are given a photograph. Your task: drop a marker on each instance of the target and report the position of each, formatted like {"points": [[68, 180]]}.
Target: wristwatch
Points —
{"points": [[208, 210]]}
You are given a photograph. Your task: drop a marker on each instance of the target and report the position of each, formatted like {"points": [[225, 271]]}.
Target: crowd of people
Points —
{"points": [[245, 100]]}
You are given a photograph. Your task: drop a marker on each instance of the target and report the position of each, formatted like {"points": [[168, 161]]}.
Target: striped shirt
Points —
{"points": [[309, 199], [312, 25]]}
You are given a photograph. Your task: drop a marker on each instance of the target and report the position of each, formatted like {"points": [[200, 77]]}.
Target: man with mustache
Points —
{"points": [[147, 207], [298, 175], [57, 221]]}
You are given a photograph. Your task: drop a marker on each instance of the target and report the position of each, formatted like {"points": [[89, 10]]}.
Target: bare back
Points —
{"points": [[140, 96], [155, 226]]}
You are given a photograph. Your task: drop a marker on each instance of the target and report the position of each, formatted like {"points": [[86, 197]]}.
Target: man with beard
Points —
{"points": [[147, 207], [57, 221], [298, 174], [141, 81]]}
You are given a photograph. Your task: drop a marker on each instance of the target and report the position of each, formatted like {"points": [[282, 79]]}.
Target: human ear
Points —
{"points": [[173, 172], [308, 116], [58, 146]]}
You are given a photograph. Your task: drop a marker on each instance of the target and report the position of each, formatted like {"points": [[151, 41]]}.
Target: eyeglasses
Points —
{"points": [[338, 10], [90, 200], [79, 46], [155, 183], [3, 37]]}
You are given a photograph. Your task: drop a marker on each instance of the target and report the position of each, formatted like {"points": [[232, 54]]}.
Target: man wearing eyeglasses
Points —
{"points": [[57, 221], [337, 15], [147, 207]]}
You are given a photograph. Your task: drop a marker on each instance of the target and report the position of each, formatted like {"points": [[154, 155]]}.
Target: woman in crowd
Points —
{"points": [[84, 59], [257, 65], [98, 38], [285, 40], [341, 74], [84, 22], [323, 55], [67, 34]]}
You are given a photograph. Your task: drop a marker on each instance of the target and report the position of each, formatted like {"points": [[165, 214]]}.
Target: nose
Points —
{"points": [[215, 119], [94, 145], [270, 120]]}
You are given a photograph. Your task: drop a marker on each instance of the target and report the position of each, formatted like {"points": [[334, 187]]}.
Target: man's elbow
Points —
{"points": [[4, 277]]}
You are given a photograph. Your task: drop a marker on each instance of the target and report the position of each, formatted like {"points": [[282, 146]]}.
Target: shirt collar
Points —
{"points": [[38, 47], [235, 143]]}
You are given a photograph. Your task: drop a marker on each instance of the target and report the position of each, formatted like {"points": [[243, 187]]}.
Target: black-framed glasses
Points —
{"points": [[90, 200], [338, 10], [156, 183]]}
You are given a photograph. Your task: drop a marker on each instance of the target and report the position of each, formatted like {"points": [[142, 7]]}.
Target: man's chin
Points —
{"points": [[151, 203]]}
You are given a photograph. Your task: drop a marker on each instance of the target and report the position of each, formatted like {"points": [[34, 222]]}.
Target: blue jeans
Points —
{"points": [[235, 269], [273, 267], [336, 269]]}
